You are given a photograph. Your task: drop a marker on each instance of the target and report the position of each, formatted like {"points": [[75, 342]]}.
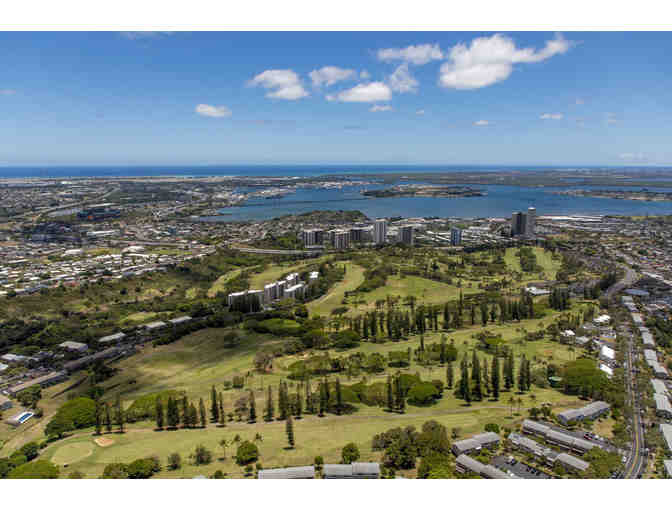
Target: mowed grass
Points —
{"points": [[275, 271], [545, 260], [220, 283], [314, 436], [424, 290], [354, 276]]}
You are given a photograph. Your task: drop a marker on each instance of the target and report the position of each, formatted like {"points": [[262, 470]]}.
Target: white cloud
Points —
{"points": [[144, 35], [489, 60], [380, 108], [330, 74], [579, 101], [282, 84], [552, 116], [364, 75], [420, 112], [419, 54], [212, 111], [364, 93], [633, 156], [401, 80], [611, 118], [7, 92], [482, 123]]}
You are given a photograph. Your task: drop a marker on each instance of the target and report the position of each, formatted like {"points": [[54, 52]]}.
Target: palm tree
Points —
{"points": [[512, 401], [224, 443]]}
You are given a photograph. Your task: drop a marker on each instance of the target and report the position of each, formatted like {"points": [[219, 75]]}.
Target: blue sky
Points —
{"points": [[110, 98]]}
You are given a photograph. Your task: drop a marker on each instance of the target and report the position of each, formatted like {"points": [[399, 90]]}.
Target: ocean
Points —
{"points": [[500, 201]]}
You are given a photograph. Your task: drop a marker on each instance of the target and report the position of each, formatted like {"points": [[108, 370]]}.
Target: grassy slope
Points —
{"points": [[221, 282], [354, 276]]}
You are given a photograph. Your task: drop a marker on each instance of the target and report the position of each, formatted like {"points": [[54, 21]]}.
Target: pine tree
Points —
{"points": [[310, 407], [390, 401], [99, 418], [159, 414], [289, 429], [252, 418], [119, 415], [521, 376], [192, 415], [173, 413], [298, 408], [108, 418], [442, 352], [202, 413], [476, 377], [222, 414], [323, 399], [422, 343], [214, 407], [449, 374], [270, 411], [494, 374], [473, 314], [510, 370], [185, 412], [282, 401], [339, 397]]}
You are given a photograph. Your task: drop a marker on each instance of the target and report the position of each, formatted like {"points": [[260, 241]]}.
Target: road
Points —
{"points": [[636, 461], [628, 279]]}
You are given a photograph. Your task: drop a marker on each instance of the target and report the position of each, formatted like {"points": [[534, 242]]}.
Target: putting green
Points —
{"points": [[74, 452]]}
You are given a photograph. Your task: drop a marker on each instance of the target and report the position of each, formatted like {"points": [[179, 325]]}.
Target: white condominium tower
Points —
{"points": [[380, 231]]}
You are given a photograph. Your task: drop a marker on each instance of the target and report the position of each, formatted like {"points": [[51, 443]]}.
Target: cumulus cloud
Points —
{"points": [[380, 108], [420, 112], [281, 83], [401, 80], [7, 92], [364, 93], [419, 54], [489, 60], [482, 123], [552, 116], [364, 75], [212, 111], [330, 74]]}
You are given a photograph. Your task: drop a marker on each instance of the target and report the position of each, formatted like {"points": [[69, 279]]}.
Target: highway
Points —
{"points": [[636, 461]]}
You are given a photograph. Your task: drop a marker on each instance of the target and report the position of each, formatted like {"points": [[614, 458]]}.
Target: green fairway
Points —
{"points": [[72, 452], [354, 276], [544, 259]]}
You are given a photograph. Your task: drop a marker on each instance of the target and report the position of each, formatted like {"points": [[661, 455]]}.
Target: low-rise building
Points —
{"points": [[464, 464], [74, 346], [5, 403], [572, 463], [46, 380], [588, 412], [290, 473], [663, 408], [355, 470], [488, 440], [180, 320], [117, 337]]}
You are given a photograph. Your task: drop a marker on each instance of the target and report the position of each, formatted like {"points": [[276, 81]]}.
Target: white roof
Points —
{"points": [[607, 352], [607, 369]]}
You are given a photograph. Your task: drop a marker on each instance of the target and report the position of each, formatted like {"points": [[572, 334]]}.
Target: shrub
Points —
{"points": [[40, 469], [174, 461], [350, 453], [30, 450], [116, 470], [247, 453], [201, 455], [143, 468], [492, 427], [77, 413]]}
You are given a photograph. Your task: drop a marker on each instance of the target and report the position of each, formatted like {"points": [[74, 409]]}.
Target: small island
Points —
{"points": [[424, 191], [643, 195]]}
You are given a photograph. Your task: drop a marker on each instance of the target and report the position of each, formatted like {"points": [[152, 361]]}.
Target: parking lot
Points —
{"points": [[509, 464]]}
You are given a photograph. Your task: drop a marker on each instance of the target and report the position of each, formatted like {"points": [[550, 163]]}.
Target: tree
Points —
{"points": [[222, 414], [349, 453], [224, 443], [269, 412], [289, 429], [476, 377], [185, 412], [246, 453], [173, 414], [40, 469], [201, 412], [390, 400], [214, 407], [119, 415], [512, 402], [201, 455], [449, 374], [174, 461], [116, 470], [252, 417], [323, 399], [99, 418], [159, 414], [339, 398], [494, 375], [108, 418]]}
